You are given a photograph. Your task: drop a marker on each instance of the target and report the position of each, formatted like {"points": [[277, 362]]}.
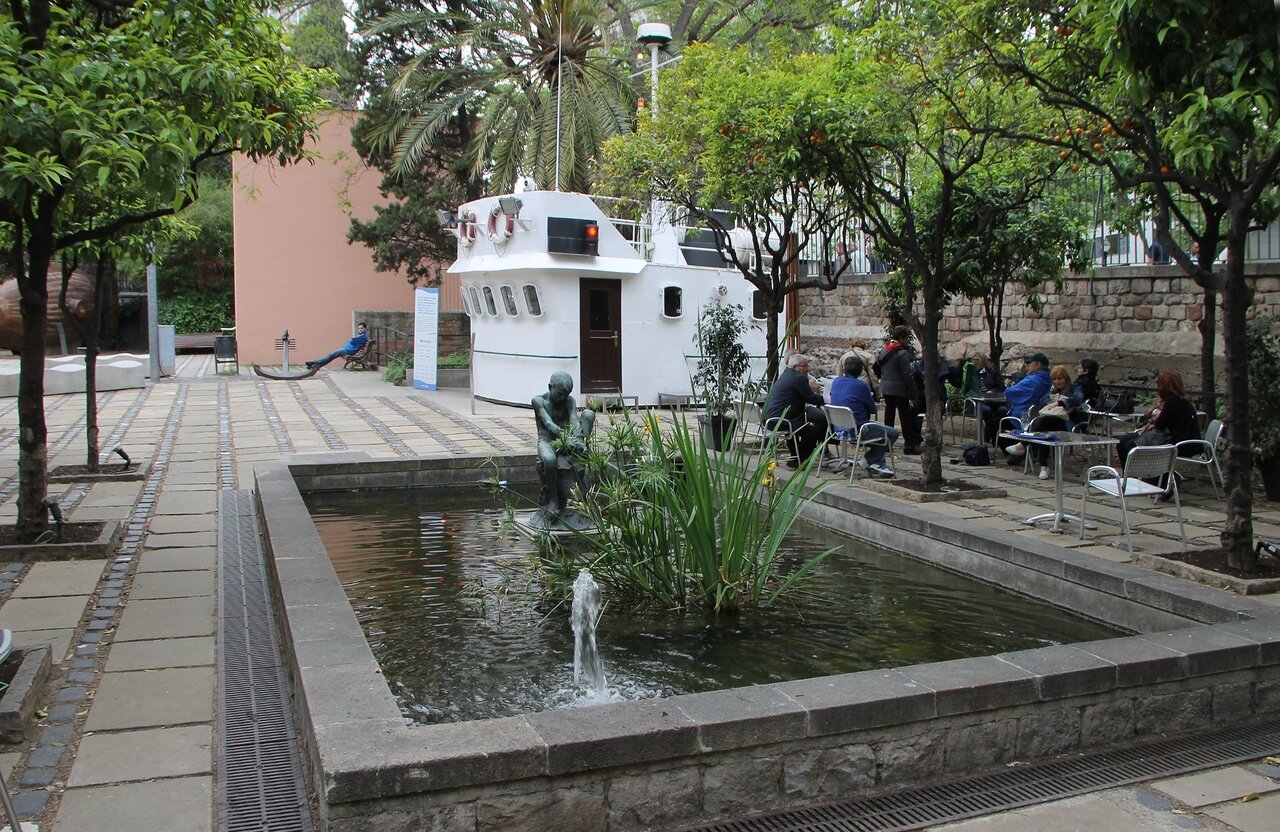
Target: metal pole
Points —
{"points": [[153, 324], [653, 78]]}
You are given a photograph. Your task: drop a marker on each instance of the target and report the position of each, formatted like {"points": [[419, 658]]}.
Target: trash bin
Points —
{"points": [[224, 350]]}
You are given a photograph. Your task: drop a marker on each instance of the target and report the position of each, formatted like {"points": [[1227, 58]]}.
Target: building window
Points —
{"points": [[759, 306], [489, 305], [672, 301], [475, 301], [531, 301], [509, 300]]}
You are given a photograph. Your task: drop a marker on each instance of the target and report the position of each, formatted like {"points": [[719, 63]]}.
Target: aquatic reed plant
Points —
{"points": [[687, 527]]}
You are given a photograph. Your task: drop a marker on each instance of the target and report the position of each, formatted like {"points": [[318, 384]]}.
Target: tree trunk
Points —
{"points": [[33, 474], [771, 339], [1208, 345], [1237, 534], [934, 395]]}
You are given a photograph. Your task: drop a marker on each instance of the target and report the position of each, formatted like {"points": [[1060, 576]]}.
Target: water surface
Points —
{"points": [[437, 582]]}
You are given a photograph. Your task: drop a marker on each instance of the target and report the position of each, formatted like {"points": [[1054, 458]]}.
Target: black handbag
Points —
{"points": [[1121, 403]]}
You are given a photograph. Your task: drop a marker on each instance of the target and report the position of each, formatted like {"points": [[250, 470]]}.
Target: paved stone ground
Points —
{"points": [[127, 741]]}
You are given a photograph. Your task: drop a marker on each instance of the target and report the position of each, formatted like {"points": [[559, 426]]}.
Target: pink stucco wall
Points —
{"points": [[294, 268]]}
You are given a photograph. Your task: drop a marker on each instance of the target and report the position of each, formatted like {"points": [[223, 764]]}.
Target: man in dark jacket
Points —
{"points": [[793, 397], [897, 387]]}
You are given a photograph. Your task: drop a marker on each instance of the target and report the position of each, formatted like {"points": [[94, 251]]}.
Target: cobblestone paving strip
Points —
{"points": [[48, 408], [379, 428], [472, 427], [327, 432], [64, 724], [273, 418], [10, 486], [432, 431]]}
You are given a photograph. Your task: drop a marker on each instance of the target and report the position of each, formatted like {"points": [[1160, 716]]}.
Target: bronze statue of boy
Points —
{"points": [[562, 437]]}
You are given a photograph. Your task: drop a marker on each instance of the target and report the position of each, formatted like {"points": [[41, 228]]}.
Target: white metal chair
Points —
{"points": [[1143, 463], [844, 426], [768, 429], [1013, 424], [1204, 453]]}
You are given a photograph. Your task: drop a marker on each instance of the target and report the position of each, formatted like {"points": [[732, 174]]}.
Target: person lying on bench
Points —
{"points": [[352, 347]]}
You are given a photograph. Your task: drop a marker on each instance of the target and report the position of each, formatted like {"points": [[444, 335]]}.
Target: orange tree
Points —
{"points": [[910, 128], [108, 110], [1179, 99], [735, 158]]}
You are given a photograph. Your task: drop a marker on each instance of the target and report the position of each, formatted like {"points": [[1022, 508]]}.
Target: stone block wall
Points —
{"points": [[1134, 320], [454, 333]]}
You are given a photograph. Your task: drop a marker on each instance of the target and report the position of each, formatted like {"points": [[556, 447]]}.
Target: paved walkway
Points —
{"points": [[127, 741]]}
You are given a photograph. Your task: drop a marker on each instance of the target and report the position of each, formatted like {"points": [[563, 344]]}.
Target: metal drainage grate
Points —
{"points": [[1024, 786], [260, 776]]}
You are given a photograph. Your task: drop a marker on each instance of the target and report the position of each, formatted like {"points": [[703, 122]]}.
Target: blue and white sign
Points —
{"points": [[426, 330]]}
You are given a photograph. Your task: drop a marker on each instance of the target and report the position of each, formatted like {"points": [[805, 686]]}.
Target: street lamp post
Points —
{"points": [[655, 36]]}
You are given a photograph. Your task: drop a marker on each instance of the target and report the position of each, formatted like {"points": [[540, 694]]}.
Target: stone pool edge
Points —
{"points": [[1217, 661]]}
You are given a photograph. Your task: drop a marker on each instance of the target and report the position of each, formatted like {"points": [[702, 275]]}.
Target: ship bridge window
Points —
{"points": [[509, 300], [531, 300], [759, 306], [489, 305], [476, 308], [466, 303], [672, 301]]}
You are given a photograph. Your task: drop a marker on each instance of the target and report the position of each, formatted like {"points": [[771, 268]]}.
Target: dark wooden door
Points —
{"points": [[601, 329]]}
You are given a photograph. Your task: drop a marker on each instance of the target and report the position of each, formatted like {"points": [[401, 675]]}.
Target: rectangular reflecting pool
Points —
{"points": [[463, 628], [1194, 658]]}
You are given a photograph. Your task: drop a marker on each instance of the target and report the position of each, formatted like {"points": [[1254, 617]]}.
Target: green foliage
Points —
{"points": [[398, 369], [109, 111], [459, 360], [500, 57], [686, 530], [1264, 382], [723, 361], [744, 149], [207, 310], [320, 41]]}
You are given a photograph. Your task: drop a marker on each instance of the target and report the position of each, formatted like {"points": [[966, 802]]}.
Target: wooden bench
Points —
{"points": [[364, 359]]}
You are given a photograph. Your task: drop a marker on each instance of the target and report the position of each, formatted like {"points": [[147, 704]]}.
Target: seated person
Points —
{"points": [[1087, 389], [849, 390], [352, 347], [1171, 420], [1053, 416], [798, 399], [1022, 395]]}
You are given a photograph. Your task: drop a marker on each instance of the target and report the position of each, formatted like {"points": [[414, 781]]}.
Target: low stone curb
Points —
{"points": [[1244, 586], [891, 489], [110, 473], [18, 705], [102, 547]]}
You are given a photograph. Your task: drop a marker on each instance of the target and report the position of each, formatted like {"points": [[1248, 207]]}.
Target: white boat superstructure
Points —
{"points": [[551, 282]]}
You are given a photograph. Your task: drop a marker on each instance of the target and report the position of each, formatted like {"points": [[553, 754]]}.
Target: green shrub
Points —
{"points": [[398, 369], [459, 360], [198, 311]]}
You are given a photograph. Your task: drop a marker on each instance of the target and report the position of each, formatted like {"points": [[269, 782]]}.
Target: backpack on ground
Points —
{"points": [[976, 454]]}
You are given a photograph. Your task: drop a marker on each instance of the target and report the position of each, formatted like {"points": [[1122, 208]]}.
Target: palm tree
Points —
{"points": [[546, 88]]}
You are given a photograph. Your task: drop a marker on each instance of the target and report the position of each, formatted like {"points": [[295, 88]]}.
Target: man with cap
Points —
{"points": [[1025, 394]]}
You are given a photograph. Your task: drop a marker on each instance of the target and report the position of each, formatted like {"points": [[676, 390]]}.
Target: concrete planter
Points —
{"points": [[1244, 586], [101, 547], [110, 472], [19, 702]]}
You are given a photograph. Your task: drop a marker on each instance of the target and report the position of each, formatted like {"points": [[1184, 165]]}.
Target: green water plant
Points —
{"points": [[689, 529]]}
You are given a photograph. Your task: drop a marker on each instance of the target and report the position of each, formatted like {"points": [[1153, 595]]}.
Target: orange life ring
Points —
{"points": [[501, 225], [467, 229]]}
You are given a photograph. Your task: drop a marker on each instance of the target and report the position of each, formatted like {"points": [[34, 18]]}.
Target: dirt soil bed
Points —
{"points": [[1215, 560], [71, 533]]}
